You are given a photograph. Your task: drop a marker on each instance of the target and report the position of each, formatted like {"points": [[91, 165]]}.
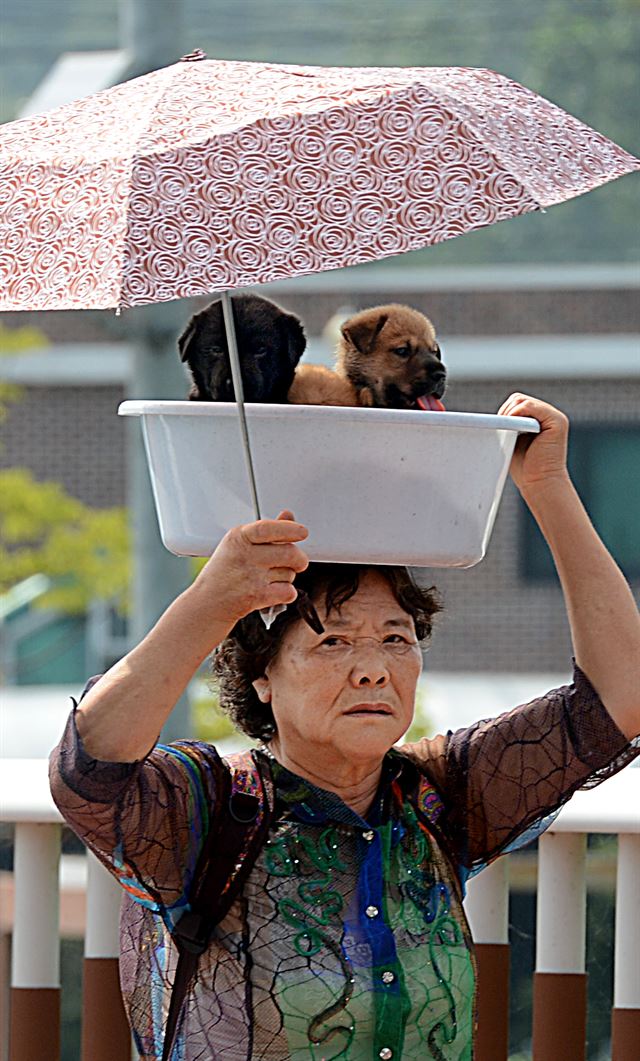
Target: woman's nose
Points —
{"points": [[370, 669]]}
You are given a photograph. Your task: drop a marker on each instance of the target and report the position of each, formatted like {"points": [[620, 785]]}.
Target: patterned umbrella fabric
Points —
{"points": [[209, 175]]}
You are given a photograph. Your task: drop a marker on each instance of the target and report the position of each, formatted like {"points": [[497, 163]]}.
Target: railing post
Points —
{"points": [[487, 908], [35, 979], [560, 982], [5, 991], [625, 1025], [105, 1031]]}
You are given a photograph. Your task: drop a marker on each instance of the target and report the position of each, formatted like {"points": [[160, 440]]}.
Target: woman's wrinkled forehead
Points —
{"points": [[374, 598]]}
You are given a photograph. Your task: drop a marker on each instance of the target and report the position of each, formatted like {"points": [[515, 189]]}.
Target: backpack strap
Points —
{"points": [[226, 860]]}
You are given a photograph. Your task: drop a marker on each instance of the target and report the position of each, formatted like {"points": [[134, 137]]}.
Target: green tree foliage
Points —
{"points": [[19, 340], [210, 723], [43, 529], [15, 341]]}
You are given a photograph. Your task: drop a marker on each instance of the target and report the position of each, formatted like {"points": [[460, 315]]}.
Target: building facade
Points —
{"points": [[570, 336]]}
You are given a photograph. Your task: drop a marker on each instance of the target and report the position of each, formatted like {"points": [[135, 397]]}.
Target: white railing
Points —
{"points": [[559, 993], [560, 980]]}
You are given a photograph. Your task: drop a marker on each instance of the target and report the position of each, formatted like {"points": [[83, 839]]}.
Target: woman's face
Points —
{"points": [[350, 690]]}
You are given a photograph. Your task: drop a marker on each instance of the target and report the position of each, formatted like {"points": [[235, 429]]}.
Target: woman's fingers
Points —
{"points": [[525, 405], [255, 566], [268, 531], [550, 419], [520, 405], [519, 401], [285, 555], [271, 544], [281, 574], [537, 458], [279, 593], [272, 559]]}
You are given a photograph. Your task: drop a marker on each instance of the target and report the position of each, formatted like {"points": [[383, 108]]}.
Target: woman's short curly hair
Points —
{"points": [[247, 651]]}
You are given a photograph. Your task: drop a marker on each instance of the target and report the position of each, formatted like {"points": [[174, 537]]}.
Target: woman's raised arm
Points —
{"points": [[121, 716], [604, 619]]}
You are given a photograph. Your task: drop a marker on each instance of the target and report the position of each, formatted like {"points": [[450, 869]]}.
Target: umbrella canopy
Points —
{"points": [[210, 175]]}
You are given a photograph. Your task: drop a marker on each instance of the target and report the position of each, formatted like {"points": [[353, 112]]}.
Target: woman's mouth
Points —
{"points": [[369, 709]]}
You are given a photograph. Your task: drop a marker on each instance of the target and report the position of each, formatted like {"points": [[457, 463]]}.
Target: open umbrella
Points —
{"points": [[208, 175]]}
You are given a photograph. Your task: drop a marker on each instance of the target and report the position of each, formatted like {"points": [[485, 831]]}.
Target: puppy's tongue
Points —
{"points": [[430, 404]]}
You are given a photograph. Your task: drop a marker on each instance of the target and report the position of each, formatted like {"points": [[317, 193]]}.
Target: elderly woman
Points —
{"points": [[348, 938]]}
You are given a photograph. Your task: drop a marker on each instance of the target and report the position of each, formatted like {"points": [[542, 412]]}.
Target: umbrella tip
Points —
{"points": [[194, 56]]}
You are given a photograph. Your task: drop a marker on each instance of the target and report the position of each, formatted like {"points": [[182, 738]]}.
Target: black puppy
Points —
{"points": [[270, 344]]}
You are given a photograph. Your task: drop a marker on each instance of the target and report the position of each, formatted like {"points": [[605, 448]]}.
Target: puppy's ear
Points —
{"points": [[295, 338], [363, 334], [187, 338], [206, 327]]}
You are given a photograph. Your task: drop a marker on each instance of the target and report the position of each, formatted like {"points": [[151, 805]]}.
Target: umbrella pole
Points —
{"points": [[236, 375]]}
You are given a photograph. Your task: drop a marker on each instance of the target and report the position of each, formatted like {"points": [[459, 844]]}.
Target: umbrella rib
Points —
{"points": [[448, 95], [236, 375], [166, 77]]}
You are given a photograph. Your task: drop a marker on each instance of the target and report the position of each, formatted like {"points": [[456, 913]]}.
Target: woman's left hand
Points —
{"points": [[537, 459]]}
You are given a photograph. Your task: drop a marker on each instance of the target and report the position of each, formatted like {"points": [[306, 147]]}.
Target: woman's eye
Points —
{"points": [[333, 642], [398, 643]]}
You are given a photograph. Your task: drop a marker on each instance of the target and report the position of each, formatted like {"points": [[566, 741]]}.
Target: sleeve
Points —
{"points": [[505, 777], [146, 821]]}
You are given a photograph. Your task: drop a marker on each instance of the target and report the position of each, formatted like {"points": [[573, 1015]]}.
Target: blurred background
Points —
{"points": [[546, 304]]}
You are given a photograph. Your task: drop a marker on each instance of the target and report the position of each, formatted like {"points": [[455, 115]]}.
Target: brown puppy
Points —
{"points": [[318, 385], [387, 357]]}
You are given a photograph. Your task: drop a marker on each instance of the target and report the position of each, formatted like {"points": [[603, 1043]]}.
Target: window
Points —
{"points": [[604, 463]]}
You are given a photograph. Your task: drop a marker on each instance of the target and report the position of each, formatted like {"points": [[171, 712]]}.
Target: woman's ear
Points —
{"points": [[262, 687]]}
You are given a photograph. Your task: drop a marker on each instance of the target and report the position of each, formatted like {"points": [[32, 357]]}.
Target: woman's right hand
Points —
{"points": [[252, 568]]}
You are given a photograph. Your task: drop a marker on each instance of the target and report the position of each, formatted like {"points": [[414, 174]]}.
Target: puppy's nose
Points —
{"points": [[438, 374], [437, 380]]}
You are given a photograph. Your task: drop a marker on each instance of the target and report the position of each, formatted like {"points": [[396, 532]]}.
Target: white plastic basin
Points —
{"points": [[376, 485]]}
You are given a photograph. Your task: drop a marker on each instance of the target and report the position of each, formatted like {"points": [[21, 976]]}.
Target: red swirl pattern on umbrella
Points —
{"points": [[209, 174]]}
